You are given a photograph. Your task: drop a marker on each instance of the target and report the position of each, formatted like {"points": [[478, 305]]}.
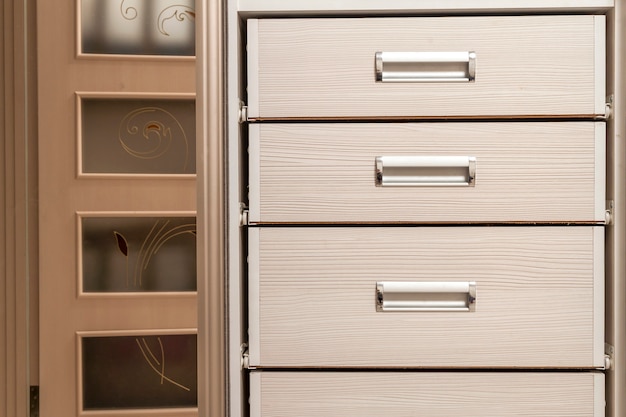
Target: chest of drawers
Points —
{"points": [[427, 209]]}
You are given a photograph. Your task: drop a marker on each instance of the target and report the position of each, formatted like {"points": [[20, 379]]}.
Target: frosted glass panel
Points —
{"points": [[129, 372], [137, 136], [138, 27], [138, 254]]}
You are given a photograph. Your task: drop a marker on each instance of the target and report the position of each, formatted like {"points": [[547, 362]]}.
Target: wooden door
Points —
{"points": [[117, 205]]}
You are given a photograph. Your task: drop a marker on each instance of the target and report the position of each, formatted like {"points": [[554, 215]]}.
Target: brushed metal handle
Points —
{"points": [[416, 171], [425, 66], [425, 296]]}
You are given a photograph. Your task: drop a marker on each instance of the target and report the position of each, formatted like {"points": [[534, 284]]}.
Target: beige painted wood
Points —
{"points": [[16, 136], [313, 297], [526, 66], [616, 233], [62, 195], [525, 172], [404, 394], [411, 7], [212, 188]]}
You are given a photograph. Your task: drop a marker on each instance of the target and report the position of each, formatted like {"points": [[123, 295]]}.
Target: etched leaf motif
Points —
{"points": [[121, 243]]}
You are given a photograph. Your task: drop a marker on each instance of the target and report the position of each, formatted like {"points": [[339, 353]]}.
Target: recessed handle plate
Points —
{"points": [[420, 171], [406, 67], [425, 296]]}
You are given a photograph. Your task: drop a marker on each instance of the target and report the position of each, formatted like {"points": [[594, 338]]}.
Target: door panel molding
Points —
{"points": [[211, 218], [18, 252]]}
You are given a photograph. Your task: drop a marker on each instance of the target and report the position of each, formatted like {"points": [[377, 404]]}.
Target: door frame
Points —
{"points": [[19, 324], [211, 207], [18, 207], [615, 10]]}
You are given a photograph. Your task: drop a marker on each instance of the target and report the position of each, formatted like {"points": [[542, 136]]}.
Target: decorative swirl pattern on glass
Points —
{"points": [[129, 13], [138, 254], [139, 371], [138, 27], [152, 360], [144, 136], [179, 12], [160, 233]]}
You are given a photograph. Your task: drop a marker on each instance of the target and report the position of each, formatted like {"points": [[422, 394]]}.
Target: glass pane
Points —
{"points": [[136, 136], [138, 254], [139, 371], [138, 27]]}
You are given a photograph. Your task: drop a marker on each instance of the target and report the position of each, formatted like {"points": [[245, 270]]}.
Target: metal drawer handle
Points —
{"points": [[425, 66], [425, 296], [416, 171]]}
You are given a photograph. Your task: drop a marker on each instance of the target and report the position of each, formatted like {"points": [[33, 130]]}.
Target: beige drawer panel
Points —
{"points": [[409, 394], [524, 172], [526, 66], [538, 297]]}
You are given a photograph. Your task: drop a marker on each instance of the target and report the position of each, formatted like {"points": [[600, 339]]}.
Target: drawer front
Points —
{"points": [[354, 173], [537, 297], [409, 394], [527, 66]]}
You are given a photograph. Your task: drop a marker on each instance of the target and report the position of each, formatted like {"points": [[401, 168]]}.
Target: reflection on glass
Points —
{"points": [[138, 27], [149, 371], [138, 136], [138, 254]]}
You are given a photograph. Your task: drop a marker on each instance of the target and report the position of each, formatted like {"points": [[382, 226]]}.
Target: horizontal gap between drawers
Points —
{"points": [[400, 224], [423, 370], [451, 119]]}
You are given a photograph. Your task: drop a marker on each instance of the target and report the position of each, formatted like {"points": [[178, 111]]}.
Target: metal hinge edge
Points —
{"points": [[608, 110], [34, 401], [608, 214], [245, 357], [243, 214], [609, 352], [243, 112]]}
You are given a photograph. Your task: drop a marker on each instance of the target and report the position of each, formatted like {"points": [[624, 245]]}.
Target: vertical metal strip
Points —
{"points": [[252, 54], [236, 148], [600, 170], [599, 394], [211, 215], [254, 175], [255, 394], [616, 233], [600, 64], [254, 294], [598, 296]]}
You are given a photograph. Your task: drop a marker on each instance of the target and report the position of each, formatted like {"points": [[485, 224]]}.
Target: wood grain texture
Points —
{"points": [[526, 66], [408, 394], [313, 304], [525, 172]]}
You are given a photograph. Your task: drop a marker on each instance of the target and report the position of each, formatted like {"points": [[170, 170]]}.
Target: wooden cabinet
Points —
{"points": [[427, 212]]}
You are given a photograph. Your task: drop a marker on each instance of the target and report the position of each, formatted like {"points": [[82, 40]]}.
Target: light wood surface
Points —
{"points": [[525, 66], [372, 394], [313, 301], [62, 194], [525, 172]]}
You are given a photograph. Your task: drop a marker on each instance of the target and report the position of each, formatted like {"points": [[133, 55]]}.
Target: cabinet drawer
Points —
{"points": [[495, 66], [408, 394], [522, 172], [537, 297]]}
